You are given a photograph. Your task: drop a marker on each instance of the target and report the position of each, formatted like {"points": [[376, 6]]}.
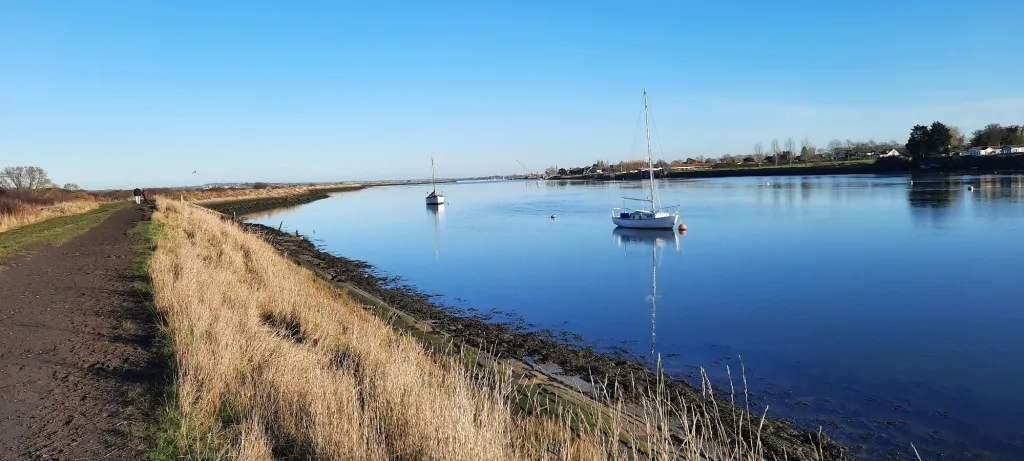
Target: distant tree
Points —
{"points": [[919, 142], [997, 135], [1014, 135], [24, 178], [700, 159], [807, 151], [775, 151], [790, 147], [956, 137], [260, 185], [941, 138], [749, 159], [690, 161], [991, 135], [758, 154], [551, 171], [834, 147], [71, 187]]}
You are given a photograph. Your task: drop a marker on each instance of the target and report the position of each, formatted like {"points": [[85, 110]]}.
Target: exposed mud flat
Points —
{"points": [[573, 364]]}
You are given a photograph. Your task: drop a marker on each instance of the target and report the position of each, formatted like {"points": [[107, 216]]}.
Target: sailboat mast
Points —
{"points": [[432, 183], [650, 161]]}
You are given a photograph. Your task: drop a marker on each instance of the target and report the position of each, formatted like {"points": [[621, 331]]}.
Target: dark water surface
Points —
{"points": [[884, 311]]}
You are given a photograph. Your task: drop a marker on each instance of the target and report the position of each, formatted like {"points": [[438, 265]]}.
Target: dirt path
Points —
{"points": [[67, 353]]}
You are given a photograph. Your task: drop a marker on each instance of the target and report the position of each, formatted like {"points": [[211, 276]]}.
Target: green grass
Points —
{"points": [[153, 417], [54, 231]]}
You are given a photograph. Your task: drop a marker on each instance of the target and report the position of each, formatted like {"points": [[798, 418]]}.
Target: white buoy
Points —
{"points": [[970, 188]]}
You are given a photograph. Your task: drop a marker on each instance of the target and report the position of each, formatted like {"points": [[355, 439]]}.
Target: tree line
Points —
{"points": [[995, 134], [924, 140], [784, 152], [29, 178], [939, 139]]}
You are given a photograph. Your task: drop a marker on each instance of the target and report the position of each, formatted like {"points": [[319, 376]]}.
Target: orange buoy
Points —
{"points": [[682, 228]]}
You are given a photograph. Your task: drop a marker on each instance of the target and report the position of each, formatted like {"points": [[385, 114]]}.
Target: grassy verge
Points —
{"points": [[153, 417], [275, 363], [53, 231]]}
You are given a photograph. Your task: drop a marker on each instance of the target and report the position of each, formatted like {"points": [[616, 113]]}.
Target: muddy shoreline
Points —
{"points": [[259, 204], [511, 339]]}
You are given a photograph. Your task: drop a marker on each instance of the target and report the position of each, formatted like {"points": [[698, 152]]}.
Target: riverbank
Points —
{"points": [[274, 362], [557, 358], [946, 165], [248, 205]]}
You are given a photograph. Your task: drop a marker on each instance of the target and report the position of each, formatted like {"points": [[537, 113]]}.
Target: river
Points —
{"points": [[886, 311]]}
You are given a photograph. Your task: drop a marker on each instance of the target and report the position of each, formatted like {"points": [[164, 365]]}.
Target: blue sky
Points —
{"points": [[114, 94]]}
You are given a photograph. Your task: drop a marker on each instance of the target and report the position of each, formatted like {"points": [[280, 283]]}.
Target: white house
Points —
{"points": [[976, 151], [890, 153]]}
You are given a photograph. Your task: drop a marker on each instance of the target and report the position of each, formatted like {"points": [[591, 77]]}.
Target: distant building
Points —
{"points": [[977, 151], [890, 153], [1007, 150]]}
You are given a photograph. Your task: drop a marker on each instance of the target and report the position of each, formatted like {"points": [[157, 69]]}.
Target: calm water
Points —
{"points": [[885, 312]]}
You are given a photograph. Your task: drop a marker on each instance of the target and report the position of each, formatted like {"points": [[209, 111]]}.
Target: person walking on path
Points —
{"points": [[138, 195], [145, 195]]}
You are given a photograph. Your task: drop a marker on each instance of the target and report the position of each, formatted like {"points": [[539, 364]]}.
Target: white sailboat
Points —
{"points": [[654, 216], [434, 197]]}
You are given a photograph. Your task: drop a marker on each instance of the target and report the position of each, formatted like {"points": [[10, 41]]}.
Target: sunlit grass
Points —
{"points": [[275, 363], [18, 214]]}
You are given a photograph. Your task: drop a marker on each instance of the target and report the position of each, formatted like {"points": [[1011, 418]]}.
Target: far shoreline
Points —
{"points": [[943, 165]]}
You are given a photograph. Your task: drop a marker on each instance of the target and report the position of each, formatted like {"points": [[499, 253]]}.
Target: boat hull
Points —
{"points": [[660, 222], [435, 200]]}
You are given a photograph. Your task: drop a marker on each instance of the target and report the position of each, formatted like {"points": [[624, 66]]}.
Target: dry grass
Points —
{"points": [[224, 195], [18, 210], [275, 363]]}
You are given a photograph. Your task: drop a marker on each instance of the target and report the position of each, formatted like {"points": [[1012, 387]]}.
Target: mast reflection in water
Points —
{"points": [[437, 213], [656, 240]]}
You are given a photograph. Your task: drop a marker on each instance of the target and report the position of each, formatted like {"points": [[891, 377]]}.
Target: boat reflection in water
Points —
{"points": [[437, 214], [656, 240]]}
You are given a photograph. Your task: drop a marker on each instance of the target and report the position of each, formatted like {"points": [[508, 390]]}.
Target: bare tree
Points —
{"points": [[806, 150], [71, 187], [957, 138], [834, 146], [790, 147], [700, 159], [775, 151], [24, 178], [758, 153]]}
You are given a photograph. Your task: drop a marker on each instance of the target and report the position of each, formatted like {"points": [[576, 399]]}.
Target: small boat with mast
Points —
{"points": [[653, 216], [434, 197]]}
